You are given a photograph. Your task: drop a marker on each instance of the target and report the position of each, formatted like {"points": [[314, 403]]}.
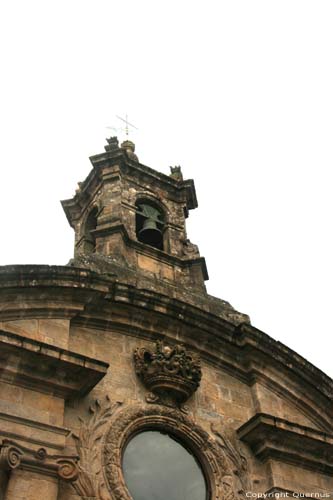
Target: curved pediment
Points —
{"points": [[101, 302]]}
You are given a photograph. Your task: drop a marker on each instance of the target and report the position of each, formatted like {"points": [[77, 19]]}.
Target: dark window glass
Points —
{"points": [[156, 467], [90, 227]]}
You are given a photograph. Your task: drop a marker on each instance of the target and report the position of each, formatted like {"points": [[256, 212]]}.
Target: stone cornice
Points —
{"points": [[254, 340], [47, 276], [14, 455], [37, 425], [105, 163], [151, 251], [213, 326], [119, 157], [68, 288], [46, 368], [51, 436], [275, 438]]}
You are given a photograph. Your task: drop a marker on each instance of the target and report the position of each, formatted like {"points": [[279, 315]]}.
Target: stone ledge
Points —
{"points": [[33, 276], [108, 165], [244, 351], [62, 431], [160, 255], [46, 368], [25, 430], [272, 437]]}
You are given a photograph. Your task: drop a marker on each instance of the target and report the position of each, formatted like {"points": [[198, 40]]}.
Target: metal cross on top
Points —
{"points": [[127, 124]]}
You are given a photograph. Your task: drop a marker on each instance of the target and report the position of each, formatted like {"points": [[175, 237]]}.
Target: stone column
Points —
{"points": [[3, 483], [25, 485]]}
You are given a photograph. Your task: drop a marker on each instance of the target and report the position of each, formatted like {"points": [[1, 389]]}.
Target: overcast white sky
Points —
{"points": [[239, 93]]}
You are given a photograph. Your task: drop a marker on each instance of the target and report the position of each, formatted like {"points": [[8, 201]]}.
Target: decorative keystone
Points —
{"points": [[171, 373]]}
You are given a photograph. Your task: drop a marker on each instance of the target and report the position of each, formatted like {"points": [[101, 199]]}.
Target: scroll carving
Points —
{"points": [[13, 456], [228, 488], [230, 447], [90, 482], [102, 439], [67, 470], [171, 373], [10, 456]]}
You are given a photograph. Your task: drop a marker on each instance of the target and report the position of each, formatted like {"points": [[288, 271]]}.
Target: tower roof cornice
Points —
{"points": [[130, 166], [117, 162]]}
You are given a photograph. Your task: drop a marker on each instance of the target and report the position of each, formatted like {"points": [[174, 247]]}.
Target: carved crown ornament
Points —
{"points": [[171, 373]]}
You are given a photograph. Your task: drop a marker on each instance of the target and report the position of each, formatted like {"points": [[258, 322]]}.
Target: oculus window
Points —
{"points": [[156, 467]]}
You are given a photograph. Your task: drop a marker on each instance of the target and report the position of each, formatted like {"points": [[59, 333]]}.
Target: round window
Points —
{"points": [[157, 467]]}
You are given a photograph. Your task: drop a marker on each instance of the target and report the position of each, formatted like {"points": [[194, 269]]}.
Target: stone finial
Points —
{"points": [[129, 148], [112, 145], [176, 173], [171, 373]]}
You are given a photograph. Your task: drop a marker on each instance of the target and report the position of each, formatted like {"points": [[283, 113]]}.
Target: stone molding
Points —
{"points": [[220, 477], [41, 291], [118, 160], [51, 436], [36, 276], [90, 483], [103, 437], [231, 446], [254, 341], [276, 438], [62, 431], [116, 227], [13, 456], [137, 418], [47, 368], [242, 350]]}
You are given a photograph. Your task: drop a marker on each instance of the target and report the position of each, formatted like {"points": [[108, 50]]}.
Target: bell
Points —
{"points": [[151, 234]]}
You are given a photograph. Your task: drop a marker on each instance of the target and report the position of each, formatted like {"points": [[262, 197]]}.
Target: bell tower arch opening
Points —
{"points": [[150, 223], [89, 231], [129, 220]]}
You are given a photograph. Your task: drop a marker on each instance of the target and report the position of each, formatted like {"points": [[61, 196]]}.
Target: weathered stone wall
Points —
{"points": [[113, 189], [222, 402], [260, 420], [51, 331], [246, 375], [26, 485], [266, 401], [299, 479], [219, 395], [39, 407]]}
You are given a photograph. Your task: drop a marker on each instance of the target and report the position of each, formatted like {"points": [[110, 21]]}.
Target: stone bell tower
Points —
{"points": [[121, 378], [130, 220]]}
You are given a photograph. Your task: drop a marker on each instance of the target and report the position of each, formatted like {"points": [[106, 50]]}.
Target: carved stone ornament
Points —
{"points": [[129, 148], [171, 373], [134, 419], [232, 449], [176, 173], [103, 438], [90, 483], [112, 145], [13, 455]]}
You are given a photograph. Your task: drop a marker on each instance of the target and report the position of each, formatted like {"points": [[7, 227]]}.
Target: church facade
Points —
{"points": [[122, 378]]}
